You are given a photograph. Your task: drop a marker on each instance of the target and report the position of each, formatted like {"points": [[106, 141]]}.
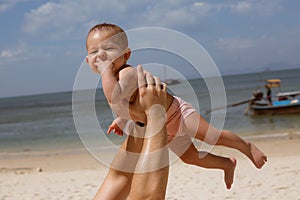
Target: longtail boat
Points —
{"points": [[281, 103]]}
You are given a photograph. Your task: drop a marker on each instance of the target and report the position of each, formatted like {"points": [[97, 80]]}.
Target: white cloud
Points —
{"points": [[208, 8], [4, 6], [189, 13], [175, 14], [25, 52], [53, 20], [7, 54], [256, 8], [72, 19], [242, 7], [69, 19], [168, 17]]}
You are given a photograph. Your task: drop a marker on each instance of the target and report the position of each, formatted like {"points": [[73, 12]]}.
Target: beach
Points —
{"points": [[42, 155], [78, 175]]}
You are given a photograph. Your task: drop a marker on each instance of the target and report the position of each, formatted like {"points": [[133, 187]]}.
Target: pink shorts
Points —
{"points": [[176, 113]]}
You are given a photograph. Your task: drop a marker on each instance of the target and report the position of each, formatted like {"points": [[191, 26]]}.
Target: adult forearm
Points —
{"points": [[152, 169]]}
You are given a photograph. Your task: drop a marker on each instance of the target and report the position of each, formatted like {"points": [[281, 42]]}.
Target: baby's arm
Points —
{"points": [[128, 83], [110, 84], [115, 90], [117, 126]]}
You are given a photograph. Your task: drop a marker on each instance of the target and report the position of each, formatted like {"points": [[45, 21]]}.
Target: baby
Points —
{"points": [[108, 53]]}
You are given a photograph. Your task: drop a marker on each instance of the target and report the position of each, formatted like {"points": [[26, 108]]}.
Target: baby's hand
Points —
{"points": [[117, 126], [103, 65]]}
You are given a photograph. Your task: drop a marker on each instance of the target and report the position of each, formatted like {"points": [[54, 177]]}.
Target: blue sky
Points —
{"points": [[43, 42]]}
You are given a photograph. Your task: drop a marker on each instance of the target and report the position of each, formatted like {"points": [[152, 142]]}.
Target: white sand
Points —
{"points": [[79, 176]]}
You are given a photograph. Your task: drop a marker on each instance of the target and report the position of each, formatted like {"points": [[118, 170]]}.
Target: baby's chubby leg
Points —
{"points": [[209, 134], [189, 154]]}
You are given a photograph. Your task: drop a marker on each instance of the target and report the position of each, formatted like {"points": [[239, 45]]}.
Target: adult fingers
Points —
{"points": [[149, 79], [157, 83], [151, 84], [163, 86], [141, 77]]}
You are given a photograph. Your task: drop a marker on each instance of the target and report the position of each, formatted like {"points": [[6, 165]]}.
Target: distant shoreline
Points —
{"points": [[70, 91]]}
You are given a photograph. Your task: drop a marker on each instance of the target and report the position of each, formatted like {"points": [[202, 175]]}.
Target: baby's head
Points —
{"points": [[107, 42], [111, 30]]}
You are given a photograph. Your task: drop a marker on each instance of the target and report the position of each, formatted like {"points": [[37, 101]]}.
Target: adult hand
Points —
{"points": [[151, 90]]}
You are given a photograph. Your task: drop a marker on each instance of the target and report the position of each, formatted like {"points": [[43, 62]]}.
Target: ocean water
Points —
{"points": [[44, 123]]}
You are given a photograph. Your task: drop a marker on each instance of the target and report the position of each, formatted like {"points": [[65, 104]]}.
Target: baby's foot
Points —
{"points": [[229, 173], [257, 156]]}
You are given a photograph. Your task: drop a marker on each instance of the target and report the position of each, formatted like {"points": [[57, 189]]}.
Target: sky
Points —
{"points": [[42, 43]]}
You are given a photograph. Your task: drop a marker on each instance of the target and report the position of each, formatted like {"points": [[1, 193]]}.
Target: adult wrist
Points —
{"points": [[156, 119], [156, 111]]}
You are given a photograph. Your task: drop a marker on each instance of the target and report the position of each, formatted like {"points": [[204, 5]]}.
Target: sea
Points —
{"points": [[45, 123]]}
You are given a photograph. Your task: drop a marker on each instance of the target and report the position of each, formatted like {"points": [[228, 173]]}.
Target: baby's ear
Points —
{"points": [[127, 53], [87, 59]]}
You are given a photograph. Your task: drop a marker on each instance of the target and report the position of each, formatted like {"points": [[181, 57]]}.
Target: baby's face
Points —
{"points": [[103, 50]]}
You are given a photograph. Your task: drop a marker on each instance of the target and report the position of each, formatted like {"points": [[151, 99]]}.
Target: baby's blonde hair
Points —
{"points": [[115, 30]]}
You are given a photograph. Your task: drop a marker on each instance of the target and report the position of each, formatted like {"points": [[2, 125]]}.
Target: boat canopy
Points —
{"points": [[273, 82]]}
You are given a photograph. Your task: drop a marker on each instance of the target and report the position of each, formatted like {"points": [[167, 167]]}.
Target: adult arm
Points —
{"points": [[152, 169], [130, 175]]}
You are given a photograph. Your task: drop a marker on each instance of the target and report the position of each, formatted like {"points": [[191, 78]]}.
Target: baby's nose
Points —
{"points": [[102, 56]]}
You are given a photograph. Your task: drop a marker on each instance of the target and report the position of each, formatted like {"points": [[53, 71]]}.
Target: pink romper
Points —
{"points": [[176, 113]]}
